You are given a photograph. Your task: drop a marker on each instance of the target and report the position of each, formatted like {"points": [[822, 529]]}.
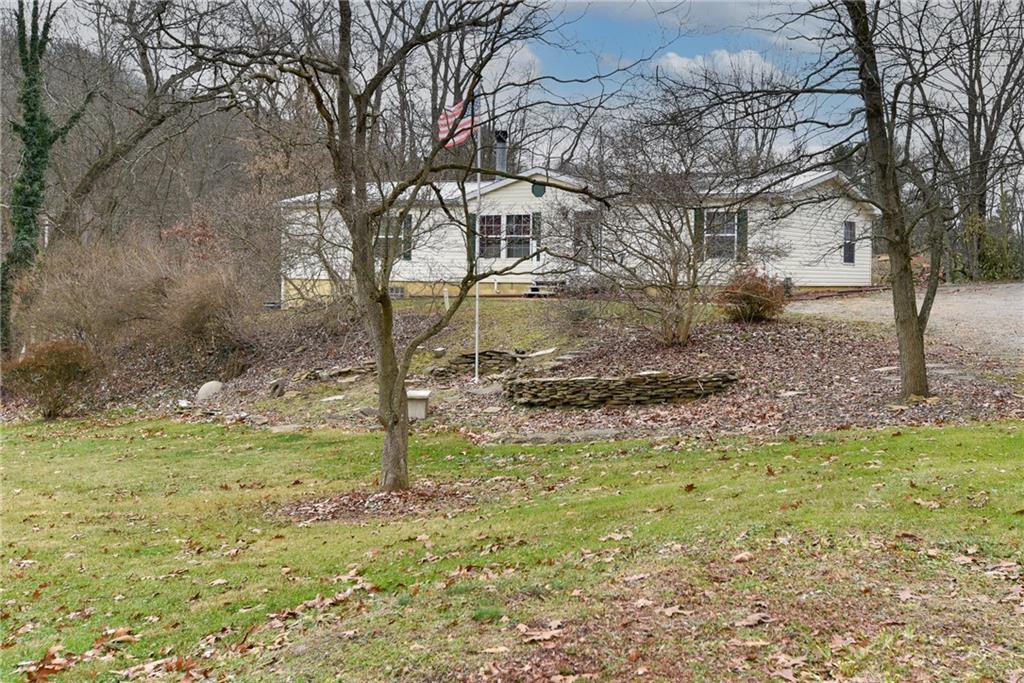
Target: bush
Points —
{"points": [[203, 311], [53, 376], [135, 295], [752, 297]]}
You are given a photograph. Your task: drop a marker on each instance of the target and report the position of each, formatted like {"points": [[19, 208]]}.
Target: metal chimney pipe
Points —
{"points": [[501, 151]]}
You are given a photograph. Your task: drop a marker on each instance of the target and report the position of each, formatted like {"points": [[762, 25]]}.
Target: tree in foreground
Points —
{"points": [[879, 89], [378, 75]]}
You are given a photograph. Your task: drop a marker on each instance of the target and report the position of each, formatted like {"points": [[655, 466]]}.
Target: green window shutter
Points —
{"points": [[407, 238], [535, 228], [471, 235], [741, 235], [698, 231]]}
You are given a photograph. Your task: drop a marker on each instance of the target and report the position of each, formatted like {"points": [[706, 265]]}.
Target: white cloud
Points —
{"points": [[718, 61]]}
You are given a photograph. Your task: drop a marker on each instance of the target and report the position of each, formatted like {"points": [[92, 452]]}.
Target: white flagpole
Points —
{"points": [[476, 251]]}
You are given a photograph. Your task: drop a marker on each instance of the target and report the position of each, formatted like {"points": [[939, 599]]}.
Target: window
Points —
{"points": [[517, 236], [720, 234], [510, 236], [586, 235], [490, 236], [849, 242], [394, 239]]}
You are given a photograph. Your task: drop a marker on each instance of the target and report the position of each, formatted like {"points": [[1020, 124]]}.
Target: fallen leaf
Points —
{"points": [[670, 610], [754, 619]]}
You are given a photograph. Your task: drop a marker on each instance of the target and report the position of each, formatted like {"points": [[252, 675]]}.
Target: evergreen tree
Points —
{"points": [[38, 135]]}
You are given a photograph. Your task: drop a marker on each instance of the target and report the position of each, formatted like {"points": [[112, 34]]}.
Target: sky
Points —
{"points": [[669, 33]]}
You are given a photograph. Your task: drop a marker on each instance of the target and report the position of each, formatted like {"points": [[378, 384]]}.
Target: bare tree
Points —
{"points": [[969, 56], [678, 227], [147, 97], [870, 91], [350, 60]]}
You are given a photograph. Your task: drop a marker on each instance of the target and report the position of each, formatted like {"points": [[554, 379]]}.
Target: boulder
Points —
{"points": [[492, 389], [209, 390]]}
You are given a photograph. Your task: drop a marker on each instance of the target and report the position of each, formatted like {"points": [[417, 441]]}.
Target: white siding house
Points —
{"points": [[819, 233]]}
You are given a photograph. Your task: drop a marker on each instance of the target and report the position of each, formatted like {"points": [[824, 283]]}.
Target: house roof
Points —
{"points": [[448, 190], [452, 190]]}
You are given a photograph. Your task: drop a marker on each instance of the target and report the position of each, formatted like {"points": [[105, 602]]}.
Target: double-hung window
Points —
{"points": [[490, 236], [720, 235], [517, 236], [586, 235], [393, 239], [511, 236], [849, 242]]}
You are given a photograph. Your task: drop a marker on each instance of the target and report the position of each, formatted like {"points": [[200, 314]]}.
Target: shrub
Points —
{"points": [[204, 310], [752, 297], [53, 376], [135, 295]]}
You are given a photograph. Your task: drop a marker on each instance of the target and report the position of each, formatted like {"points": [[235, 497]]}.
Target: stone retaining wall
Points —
{"points": [[591, 392], [492, 362]]}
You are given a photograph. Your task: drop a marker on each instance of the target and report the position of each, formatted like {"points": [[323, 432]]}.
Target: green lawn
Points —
{"points": [[886, 555]]}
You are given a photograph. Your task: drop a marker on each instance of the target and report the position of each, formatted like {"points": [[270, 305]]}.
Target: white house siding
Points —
{"points": [[805, 238], [810, 237], [439, 246]]}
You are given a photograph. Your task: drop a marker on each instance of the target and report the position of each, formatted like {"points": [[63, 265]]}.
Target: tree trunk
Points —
{"points": [[392, 409], [909, 327], [394, 461], [909, 330]]}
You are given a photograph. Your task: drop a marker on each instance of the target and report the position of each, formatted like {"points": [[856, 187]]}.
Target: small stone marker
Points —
{"points": [[277, 387], [417, 399]]}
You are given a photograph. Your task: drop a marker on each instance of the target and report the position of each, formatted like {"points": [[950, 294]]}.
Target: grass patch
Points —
{"points": [[163, 529]]}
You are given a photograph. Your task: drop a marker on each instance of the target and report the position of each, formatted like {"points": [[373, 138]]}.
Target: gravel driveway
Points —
{"points": [[985, 318]]}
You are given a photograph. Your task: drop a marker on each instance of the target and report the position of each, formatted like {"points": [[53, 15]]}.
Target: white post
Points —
{"points": [[476, 251]]}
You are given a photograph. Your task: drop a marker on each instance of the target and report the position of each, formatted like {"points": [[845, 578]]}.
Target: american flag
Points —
{"points": [[463, 117]]}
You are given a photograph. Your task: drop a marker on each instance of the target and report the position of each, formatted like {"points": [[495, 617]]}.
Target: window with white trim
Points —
{"points": [[849, 242], [508, 236], [720, 234], [517, 235], [393, 239], [490, 236], [586, 235]]}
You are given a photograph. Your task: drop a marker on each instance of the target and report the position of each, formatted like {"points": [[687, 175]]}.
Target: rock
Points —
{"points": [[258, 420], [184, 405], [336, 397], [209, 390], [367, 411], [284, 429], [305, 375], [348, 380], [485, 390], [492, 410], [277, 387], [290, 394], [542, 352], [591, 392], [439, 352]]}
